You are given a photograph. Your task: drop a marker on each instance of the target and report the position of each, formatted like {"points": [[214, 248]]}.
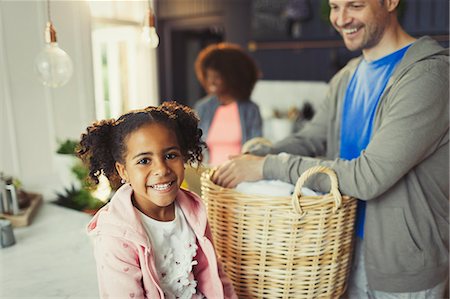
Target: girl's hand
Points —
{"points": [[238, 169]]}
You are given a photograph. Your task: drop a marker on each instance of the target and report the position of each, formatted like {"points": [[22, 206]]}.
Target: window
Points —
{"points": [[125, 70]]}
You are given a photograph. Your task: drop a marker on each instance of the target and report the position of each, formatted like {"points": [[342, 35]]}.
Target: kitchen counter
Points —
{"points": [[52, 258]]}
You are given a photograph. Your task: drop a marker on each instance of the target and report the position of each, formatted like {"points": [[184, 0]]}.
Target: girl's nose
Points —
{"points": [[161, 168]]}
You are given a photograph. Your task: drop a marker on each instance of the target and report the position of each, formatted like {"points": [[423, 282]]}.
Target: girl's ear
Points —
{"points": [[122, 171]]}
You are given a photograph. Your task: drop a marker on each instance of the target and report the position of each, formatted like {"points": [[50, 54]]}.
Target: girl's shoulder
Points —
{"points": [[194, 210], [119, 219], [189, 200], [189, 195]]}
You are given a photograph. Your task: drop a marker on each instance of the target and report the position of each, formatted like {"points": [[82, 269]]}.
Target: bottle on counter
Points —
{"points": [[8, 194], [4, 202]]}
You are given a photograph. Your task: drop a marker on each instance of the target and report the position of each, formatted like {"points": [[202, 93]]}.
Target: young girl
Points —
{"points": [[152, 240]]}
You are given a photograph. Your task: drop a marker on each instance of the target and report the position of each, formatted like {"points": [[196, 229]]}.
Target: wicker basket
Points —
{"points": [[283, 247]]}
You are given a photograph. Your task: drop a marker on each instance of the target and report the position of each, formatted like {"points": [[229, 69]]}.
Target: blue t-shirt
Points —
{"points": [[361, 100]]}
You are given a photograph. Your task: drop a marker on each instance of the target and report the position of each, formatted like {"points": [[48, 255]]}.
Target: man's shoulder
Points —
{"points": [[425, 48], [426, 43]]}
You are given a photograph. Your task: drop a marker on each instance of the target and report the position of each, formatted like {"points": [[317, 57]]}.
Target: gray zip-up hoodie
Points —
{"points": [[403, 174]]}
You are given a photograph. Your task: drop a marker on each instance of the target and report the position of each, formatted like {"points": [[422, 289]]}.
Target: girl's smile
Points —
{"points": [[162, 187]]}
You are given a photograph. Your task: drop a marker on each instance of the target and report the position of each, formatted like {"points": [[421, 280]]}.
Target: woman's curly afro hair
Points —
{"points": [[238, 69]]}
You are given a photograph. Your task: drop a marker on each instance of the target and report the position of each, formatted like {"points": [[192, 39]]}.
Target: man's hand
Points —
{"points": [[240, 168]]}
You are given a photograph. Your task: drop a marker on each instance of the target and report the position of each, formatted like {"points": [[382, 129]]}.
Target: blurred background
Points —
{"points": [[99, 59], [114, 70]]}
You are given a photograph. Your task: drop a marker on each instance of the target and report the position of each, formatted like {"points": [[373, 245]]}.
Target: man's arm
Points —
{"points": [[309, 141], [414, 126]]}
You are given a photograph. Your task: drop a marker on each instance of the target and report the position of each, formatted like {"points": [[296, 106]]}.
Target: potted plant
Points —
{"points": [[79, 195]]}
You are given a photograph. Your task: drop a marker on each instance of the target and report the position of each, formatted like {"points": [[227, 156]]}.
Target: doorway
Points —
{"points": [[186, 46], [182, 41]]}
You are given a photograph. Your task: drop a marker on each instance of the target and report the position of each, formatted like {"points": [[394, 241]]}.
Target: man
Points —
{"points": [[384, 130]]}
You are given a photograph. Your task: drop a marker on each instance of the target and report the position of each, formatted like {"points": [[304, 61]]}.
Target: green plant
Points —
{"points": [[65, 199], [78, 199], [67, 147], [81, 172], [17, 183], [73, 197], [325, 11]]}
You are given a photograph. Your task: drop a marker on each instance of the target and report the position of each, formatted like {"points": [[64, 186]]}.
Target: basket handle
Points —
{"points": [[334, 190], [211, 171]]}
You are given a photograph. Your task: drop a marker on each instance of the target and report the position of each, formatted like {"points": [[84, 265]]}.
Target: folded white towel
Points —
{"points": [[271, 188]]}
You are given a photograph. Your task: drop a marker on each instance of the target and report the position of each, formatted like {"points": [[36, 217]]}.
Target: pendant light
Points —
{"points": [[53, 65], [149, 35]]}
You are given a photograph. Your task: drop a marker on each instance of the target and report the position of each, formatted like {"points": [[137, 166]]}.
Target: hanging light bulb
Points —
{"points": [[53, 65], [149, 35]]}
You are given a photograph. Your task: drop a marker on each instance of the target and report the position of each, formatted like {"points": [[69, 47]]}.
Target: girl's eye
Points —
{"points": [[144, 161], [171, 156]]}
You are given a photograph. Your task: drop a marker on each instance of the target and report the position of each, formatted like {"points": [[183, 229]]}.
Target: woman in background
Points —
{"points": [[228, 117]]}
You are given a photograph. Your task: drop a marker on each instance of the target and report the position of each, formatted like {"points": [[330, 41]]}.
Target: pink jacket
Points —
{"points": [[125, 259]]}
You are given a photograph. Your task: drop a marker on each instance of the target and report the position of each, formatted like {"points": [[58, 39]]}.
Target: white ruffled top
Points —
{"points": [[174, 245]]}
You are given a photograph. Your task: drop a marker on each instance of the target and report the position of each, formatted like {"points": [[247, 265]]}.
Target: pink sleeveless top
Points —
{"points": [[225, 134]]}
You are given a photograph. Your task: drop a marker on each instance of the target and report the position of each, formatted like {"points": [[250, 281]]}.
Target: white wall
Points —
{"points": [[34, 117], [273, 95]]}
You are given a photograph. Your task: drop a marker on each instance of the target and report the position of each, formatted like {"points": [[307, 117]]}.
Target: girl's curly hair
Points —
{"points": [[238, 69], [104, 142]]}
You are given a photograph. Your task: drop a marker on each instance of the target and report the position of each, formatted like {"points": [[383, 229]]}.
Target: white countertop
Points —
{"points": [[52, 258]]}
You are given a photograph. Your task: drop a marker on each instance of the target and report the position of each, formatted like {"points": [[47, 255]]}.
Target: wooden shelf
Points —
{"points": [[25, 216], [309, 44]]}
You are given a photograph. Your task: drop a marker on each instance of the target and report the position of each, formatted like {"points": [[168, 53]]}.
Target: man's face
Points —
{"points": [[361, 23]]}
